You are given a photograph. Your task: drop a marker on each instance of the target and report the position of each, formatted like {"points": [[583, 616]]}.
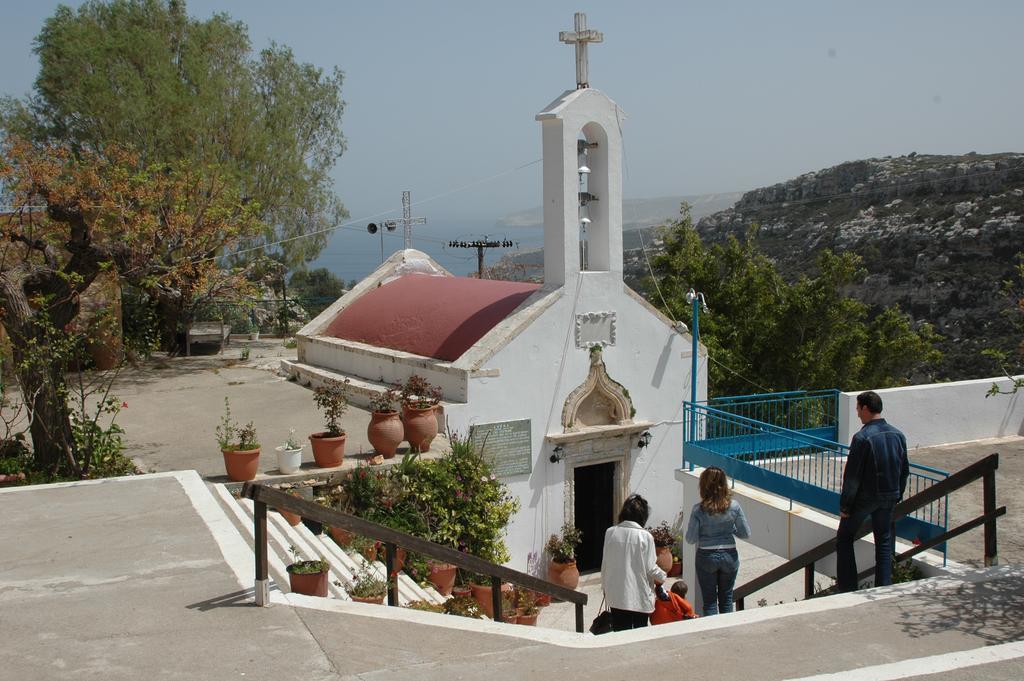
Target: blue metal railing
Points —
{"points": [[803, 410], [798, 464]]}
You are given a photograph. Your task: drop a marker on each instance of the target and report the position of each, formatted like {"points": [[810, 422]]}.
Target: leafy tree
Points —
{"points": [[766, 334], [1011, 362], [142, 74], [316, 289], [102, 213]]}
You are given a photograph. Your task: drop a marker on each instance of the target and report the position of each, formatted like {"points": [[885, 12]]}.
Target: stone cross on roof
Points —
{"points": [[580, 37]]}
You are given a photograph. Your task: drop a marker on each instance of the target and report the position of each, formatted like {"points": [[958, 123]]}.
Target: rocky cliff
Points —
{"points": [[938, 235]]}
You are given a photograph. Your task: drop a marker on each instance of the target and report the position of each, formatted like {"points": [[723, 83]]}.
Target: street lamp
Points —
{"points": [[698, 302]]}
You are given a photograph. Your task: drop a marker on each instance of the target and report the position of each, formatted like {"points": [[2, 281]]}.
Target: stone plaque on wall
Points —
{"points": [[595, 329], [505, 445]]}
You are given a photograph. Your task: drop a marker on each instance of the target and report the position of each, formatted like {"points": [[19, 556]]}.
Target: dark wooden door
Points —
{"points": [[594, 512]]}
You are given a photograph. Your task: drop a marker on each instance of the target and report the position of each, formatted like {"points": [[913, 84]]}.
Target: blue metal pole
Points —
{"points": [[693, 367]]}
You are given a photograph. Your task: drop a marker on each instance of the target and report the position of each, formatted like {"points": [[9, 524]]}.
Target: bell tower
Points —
{"points": [[582, 149]]}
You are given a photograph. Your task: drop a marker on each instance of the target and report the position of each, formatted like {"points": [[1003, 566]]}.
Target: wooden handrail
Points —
{"points": [[983, 468], [263, 495]]}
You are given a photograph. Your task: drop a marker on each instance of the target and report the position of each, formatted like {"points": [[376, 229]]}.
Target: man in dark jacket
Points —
{"points": [[873, 483]]}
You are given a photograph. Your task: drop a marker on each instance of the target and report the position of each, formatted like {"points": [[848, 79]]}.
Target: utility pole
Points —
{"points": [[480, 245]]}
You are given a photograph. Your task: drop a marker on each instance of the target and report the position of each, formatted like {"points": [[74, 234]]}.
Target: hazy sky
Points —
{"points": [[720, 96]]}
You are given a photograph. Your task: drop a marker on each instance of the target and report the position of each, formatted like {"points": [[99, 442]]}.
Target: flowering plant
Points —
{"points": [[231, 436], [562, 547], [332, 402], [366, 584], [292, 443], [663, 535], [418, 393], [385, 401]]}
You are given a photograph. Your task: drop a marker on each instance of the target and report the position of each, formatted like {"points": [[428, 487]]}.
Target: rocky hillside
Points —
{"points": [[938, 235]]}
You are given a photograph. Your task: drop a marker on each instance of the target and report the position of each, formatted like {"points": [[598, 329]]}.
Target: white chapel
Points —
{"points": [[574, 387]]}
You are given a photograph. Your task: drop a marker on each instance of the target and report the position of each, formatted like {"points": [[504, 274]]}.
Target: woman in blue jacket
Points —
{"points": [[714, 524]]}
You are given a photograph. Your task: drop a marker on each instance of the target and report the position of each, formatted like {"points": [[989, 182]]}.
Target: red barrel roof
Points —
{"points": [[432, 316]]}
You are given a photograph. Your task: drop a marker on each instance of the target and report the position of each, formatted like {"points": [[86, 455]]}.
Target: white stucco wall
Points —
{"points": [[942, 413], [539, 368]]}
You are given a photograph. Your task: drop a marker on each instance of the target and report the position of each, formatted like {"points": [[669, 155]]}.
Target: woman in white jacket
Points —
{"points": [[629, 568]]}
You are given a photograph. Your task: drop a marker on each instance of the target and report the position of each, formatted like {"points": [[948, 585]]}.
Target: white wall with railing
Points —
{"points": [[942, 413]]}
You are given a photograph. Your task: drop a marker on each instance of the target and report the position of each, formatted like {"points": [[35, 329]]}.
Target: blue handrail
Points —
{"points": [[803, 464]]}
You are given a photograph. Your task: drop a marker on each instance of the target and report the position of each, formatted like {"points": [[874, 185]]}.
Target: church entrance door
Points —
{"points": [[594, 511]]}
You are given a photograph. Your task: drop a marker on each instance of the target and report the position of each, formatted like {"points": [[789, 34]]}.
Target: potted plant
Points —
{"points": [[526, 607], [480, 586], [307, 576], [365, 547], [385, 431], [664, 539], [677, 561], [329, 445], [367, 587], [289, 454], [463, 606], [419, 401], [239, 445], [442, 576], [562, 549]]}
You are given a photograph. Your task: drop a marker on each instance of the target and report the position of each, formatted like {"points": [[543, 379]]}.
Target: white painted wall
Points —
{"points": [[942, 413], [540, 367]]}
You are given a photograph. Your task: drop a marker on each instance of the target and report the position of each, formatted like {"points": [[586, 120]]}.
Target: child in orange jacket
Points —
{"points": [[674, 607]]}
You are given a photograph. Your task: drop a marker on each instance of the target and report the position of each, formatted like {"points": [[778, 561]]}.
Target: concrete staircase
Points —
{"points": [[343, 566]]}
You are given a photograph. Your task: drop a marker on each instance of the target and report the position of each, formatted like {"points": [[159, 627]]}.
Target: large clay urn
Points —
{"points": [[328, 452], [385, 432], [420, 427], [564, 574], [664, 557], [241, 464]]}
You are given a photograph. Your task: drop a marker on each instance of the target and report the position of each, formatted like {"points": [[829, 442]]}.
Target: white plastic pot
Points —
{"points": [[289, 460]]}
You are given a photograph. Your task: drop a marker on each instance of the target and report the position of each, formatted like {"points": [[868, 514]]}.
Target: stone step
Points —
{"points": [[343, 566], [359, 391]]}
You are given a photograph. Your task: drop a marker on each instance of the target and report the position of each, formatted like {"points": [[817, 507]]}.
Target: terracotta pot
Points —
{"points": [[664, 560], [482, 596], [420, 427], [241, 464], [461, 590], [442, 576], [313, 584], [328, 452], [564, 574], [370, 552], [376, 600], [385, 432], [341, 537], [292, 518], [528, 620], [677, 568]]}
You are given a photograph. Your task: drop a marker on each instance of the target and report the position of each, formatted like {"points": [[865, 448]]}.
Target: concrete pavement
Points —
{"points": [[146, 577]]}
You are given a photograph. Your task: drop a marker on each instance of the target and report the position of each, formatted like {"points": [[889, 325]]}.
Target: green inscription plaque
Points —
{"points": [[505, 445]]}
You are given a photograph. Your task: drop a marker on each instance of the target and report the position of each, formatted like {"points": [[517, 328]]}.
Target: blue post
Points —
{"points": [[695, 336]]}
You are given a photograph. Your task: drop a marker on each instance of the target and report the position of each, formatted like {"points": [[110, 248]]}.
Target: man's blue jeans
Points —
{"points": [[846, 560], [716, 575]]}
